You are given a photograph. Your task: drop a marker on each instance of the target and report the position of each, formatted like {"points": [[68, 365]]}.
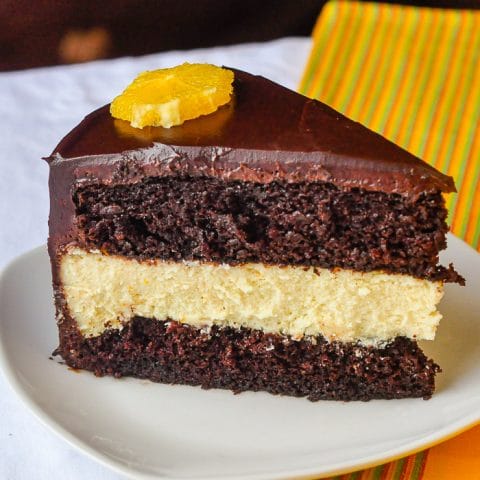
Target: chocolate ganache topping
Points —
{"points": [[266, 133]]}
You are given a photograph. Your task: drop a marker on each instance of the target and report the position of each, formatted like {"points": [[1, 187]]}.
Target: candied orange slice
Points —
{"points": [[170, 96]]}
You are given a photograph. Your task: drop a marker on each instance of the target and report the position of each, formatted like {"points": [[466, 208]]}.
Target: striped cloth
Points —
{"points": [[413, 75]]}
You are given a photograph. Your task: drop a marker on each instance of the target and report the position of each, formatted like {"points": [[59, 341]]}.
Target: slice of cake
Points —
{"points": [[271, 245]]}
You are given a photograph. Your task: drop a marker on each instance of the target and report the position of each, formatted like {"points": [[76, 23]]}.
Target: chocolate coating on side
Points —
{"points": [[266, 133]]}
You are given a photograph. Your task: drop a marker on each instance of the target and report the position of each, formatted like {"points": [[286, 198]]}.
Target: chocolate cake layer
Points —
{"points": [[314, 224], [242, 359]]}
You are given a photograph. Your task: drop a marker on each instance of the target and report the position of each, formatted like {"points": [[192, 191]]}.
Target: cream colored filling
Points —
{"points": [[107, 291]]}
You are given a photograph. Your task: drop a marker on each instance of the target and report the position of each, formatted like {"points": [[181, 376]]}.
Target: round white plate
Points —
{"points": [[147, 430]]}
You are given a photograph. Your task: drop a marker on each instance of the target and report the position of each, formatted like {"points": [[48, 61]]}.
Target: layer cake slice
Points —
{"points": [[272, 245]]}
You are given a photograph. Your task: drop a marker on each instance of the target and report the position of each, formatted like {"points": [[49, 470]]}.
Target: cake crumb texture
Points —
{"points": [[305, 223]]}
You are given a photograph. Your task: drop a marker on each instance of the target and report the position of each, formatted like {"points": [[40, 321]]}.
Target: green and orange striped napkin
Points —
{"points": [[413, 75]]}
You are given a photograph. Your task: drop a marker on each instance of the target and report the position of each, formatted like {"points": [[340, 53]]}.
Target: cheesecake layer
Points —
{"points": [[245, 359], [105, 291], [314, 224]]}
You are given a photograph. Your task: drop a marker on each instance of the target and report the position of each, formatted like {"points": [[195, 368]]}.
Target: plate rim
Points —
{"points": [[449, 431]]}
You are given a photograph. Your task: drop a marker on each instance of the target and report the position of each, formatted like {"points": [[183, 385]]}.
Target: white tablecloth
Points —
{"points": [[37, 108]]}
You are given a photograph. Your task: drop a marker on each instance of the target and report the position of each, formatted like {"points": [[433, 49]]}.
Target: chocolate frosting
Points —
{"points": [[266, 133]]}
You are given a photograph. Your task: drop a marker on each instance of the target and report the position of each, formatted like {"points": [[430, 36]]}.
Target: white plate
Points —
{"points": [[148, 430]]}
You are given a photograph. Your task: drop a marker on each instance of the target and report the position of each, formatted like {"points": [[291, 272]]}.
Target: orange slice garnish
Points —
{"points": [[170, 96]]}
